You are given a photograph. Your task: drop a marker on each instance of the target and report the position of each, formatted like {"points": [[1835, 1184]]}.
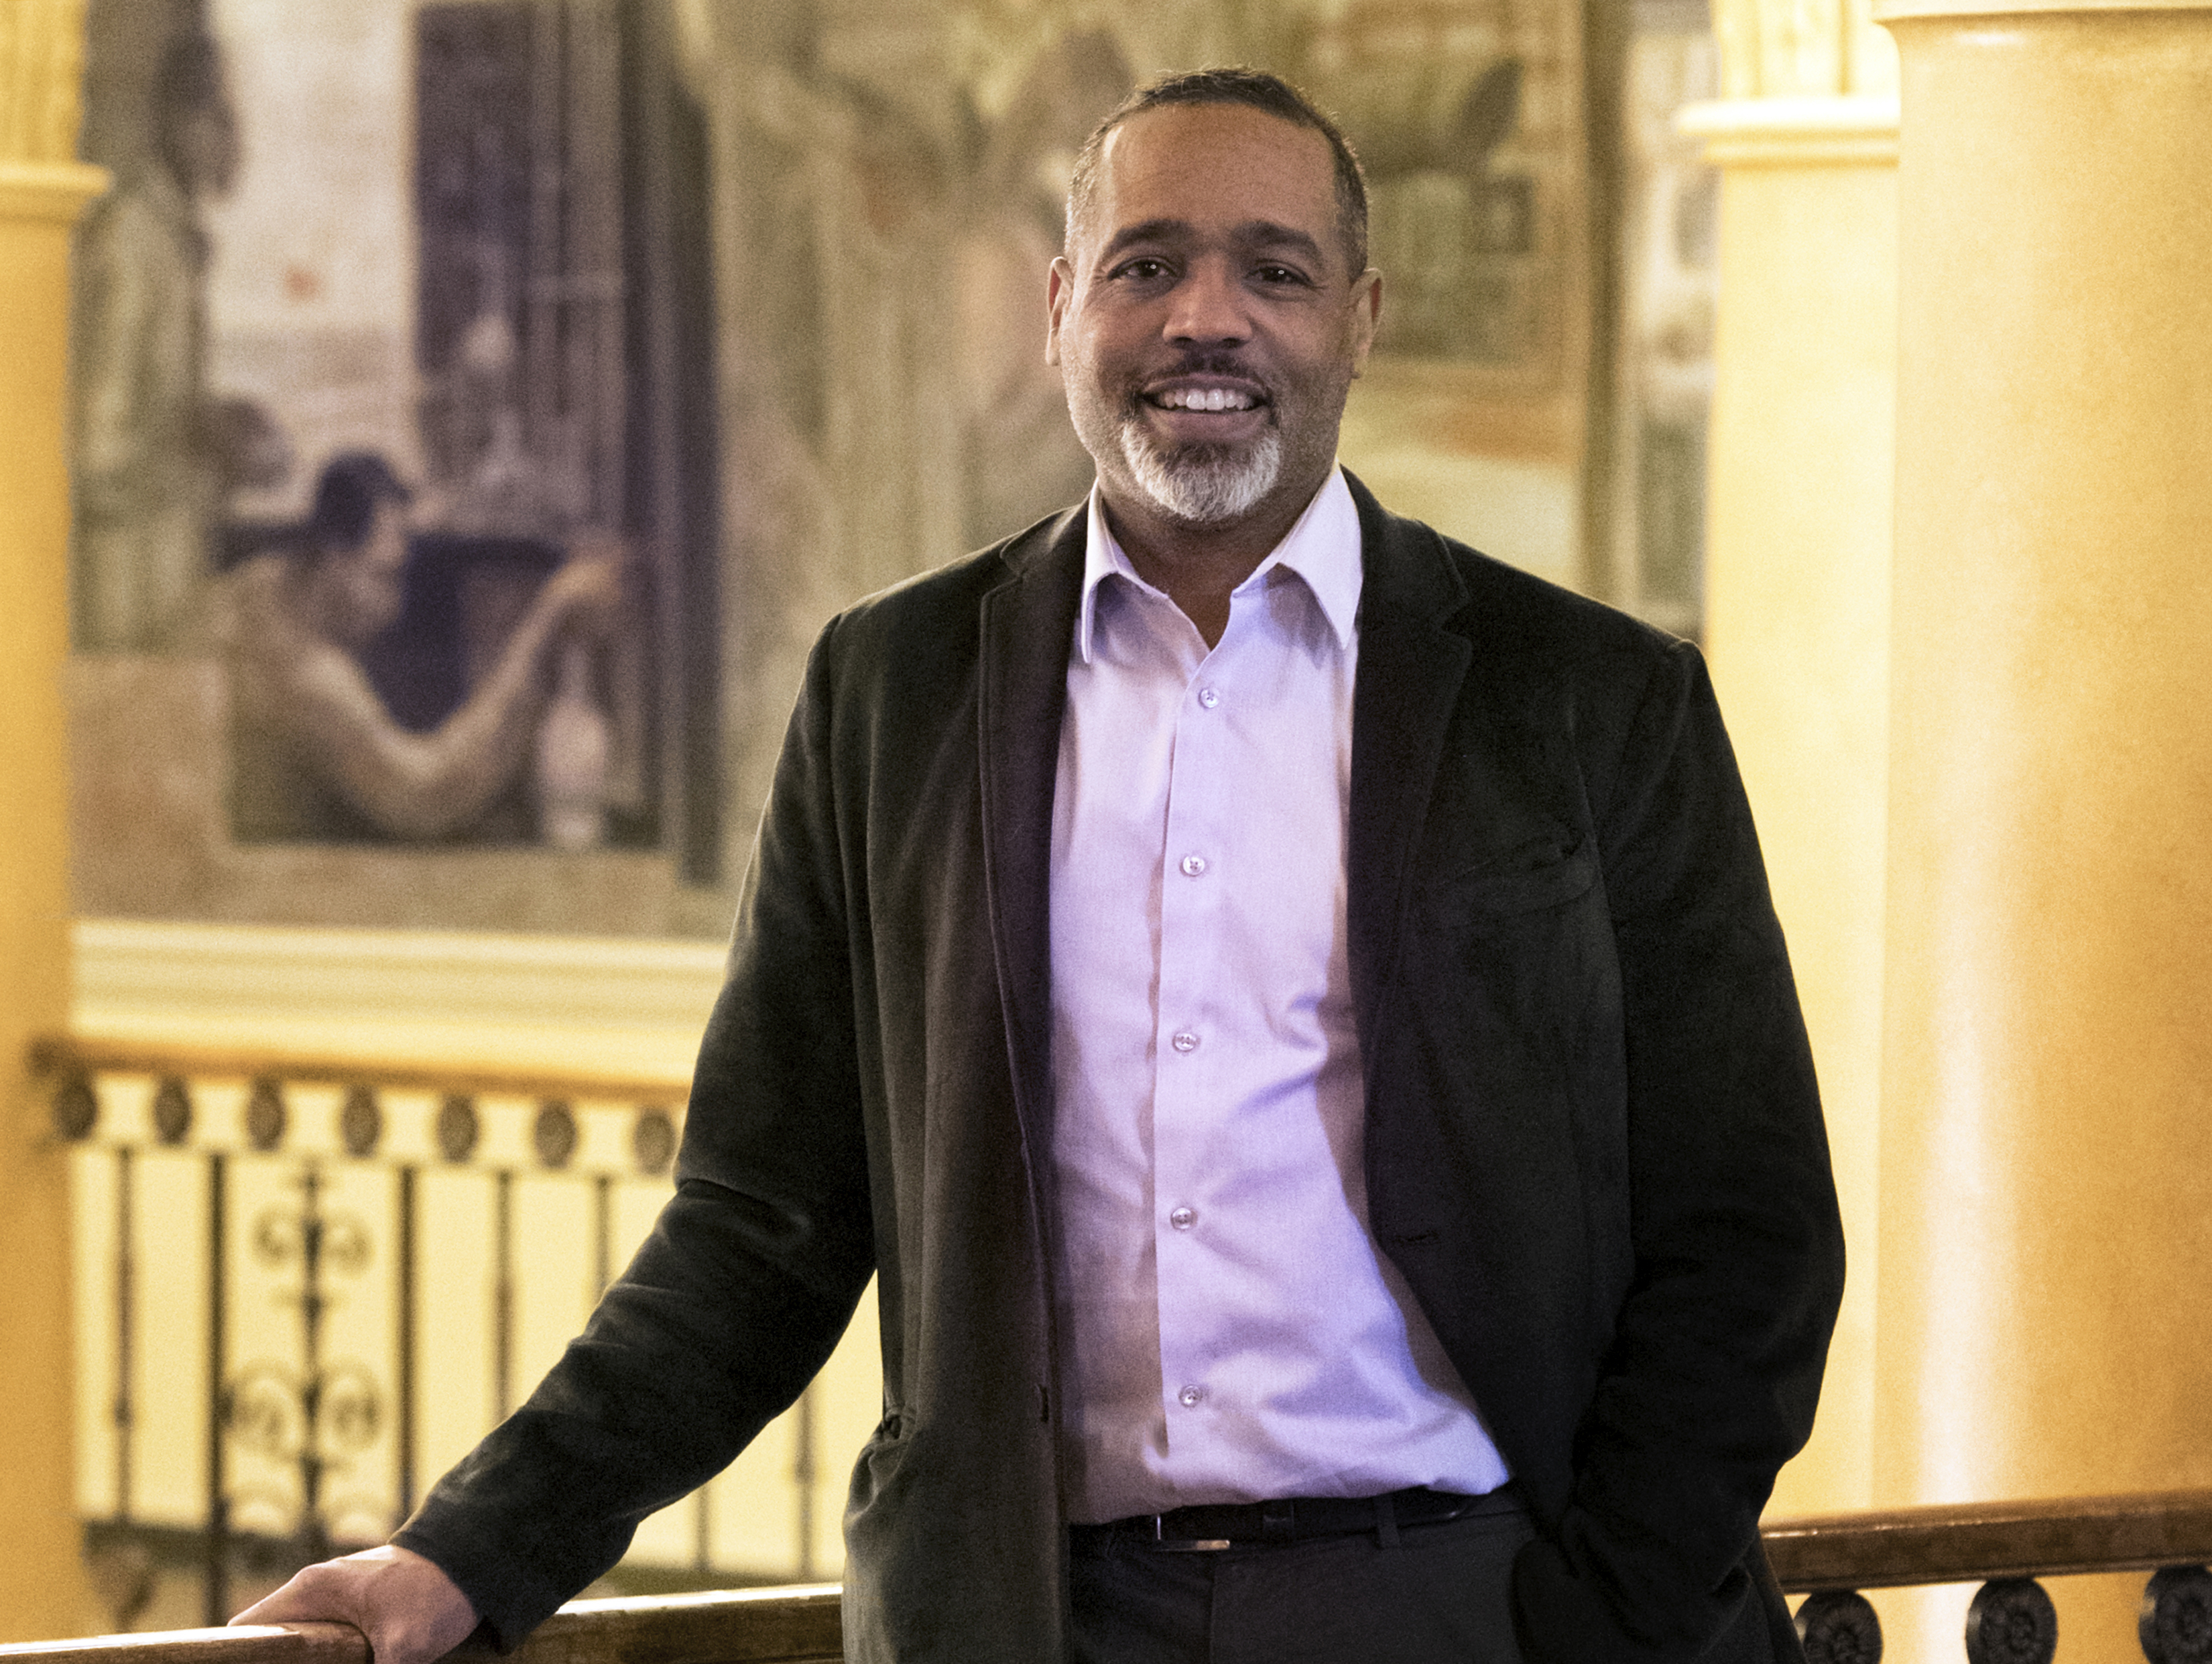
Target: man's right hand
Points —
{"points": [[591, 588], [409, 1609]]}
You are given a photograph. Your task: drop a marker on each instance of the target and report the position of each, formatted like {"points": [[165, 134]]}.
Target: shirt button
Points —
{"points": [[1184, 1041], [1208, 698], [1191, 1396], [1184, 1218], [1193, 865]]}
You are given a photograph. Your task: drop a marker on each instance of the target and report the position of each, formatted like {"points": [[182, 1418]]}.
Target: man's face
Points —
{"points": [[366, 583], [1206, 318], [205, 148]]}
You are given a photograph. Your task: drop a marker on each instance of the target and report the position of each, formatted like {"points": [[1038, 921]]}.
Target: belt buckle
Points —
{"points": [[1167, 1544]]}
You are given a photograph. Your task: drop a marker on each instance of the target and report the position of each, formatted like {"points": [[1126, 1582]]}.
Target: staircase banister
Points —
{"points": [[1975, 1542], [797, 1624]]}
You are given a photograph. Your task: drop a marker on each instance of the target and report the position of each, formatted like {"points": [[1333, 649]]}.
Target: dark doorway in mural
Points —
{"points": [[563, 341]]}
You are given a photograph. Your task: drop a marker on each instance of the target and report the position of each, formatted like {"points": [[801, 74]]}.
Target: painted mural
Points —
{"points": [[481, 403]]}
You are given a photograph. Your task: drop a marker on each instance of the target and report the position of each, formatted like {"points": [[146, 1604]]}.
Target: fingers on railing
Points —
{"points": [[2012, 1621]]}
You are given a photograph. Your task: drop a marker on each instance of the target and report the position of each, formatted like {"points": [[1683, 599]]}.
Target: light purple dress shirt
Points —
{"points": [[1230, 1331]]}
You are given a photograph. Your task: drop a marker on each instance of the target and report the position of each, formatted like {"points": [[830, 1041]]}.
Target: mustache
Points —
{"points": [[1211, 361]]}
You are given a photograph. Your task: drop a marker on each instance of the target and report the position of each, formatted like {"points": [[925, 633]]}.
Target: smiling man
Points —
{"points": [[1289, 1009]]}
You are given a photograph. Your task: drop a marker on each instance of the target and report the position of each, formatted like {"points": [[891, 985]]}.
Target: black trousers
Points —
{"points": [[1440, 1595]]}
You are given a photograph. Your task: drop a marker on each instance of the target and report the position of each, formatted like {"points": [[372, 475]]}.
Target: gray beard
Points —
{"points": [[1203, 486]]}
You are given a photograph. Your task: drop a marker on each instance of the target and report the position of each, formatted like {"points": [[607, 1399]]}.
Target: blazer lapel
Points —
{"points": [[1408, 681], [1028, 623]]}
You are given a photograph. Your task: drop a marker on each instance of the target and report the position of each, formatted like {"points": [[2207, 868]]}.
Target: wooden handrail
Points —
{"points": [[795, 1625], [258, 1644], [1974, 1542], [1970, 1542]]}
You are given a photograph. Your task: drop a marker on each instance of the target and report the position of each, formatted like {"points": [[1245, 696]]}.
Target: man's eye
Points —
{"points": [[1279, 274], [1143, 269]]}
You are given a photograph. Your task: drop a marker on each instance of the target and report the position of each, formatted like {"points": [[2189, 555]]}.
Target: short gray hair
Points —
{"points": [[1258, 89]]}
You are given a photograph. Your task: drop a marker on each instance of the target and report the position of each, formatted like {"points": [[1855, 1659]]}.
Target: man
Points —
{"points": [[1289, 1009], [317, 753], [147, 458]]}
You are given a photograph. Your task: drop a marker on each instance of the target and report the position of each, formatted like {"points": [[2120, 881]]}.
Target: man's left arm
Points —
{"points": [[1714, 1370]]}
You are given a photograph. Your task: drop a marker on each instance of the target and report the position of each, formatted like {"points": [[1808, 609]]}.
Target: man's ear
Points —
{"points": [[1366, 316], [1058, 285]]}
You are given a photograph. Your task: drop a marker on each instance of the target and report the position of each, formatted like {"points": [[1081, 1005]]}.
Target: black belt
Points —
{"points": [[1209, 1526]]}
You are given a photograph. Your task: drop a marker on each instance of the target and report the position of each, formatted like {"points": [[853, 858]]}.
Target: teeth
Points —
{"points": [[1209, 398]]}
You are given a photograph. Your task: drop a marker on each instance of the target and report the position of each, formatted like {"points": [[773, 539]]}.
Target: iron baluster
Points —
{"points": [[312, 1418], [403, 1388], [126, 1283], [217, 1591]]}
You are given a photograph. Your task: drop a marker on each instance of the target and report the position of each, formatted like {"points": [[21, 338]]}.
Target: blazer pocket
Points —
{"points": [[1536, 874]]}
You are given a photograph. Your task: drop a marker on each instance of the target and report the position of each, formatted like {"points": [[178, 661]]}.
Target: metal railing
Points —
{"points": [[270, 1249], [306, 1287]]}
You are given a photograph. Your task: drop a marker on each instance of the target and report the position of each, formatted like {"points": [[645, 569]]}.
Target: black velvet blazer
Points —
{"points": [[1593, 1142]]}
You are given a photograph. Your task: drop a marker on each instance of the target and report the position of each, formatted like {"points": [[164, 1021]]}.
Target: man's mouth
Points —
{"points": [[1203, 398]]}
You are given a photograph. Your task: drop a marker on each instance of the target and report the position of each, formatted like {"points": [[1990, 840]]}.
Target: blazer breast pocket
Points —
{"points": [[1530, 876]]}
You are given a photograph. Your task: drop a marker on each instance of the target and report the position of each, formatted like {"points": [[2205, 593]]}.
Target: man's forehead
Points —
{"points": [[1252, 234], [1223, 165]]}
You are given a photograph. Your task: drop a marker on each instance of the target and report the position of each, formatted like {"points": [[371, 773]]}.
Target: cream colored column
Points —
{"points": [[42, 1587], [1797, 576], [2047, 1274]]}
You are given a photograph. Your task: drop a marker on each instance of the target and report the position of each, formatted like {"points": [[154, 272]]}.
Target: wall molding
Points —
{"points": [[623, 1009], [1857, 129], [48, 190], [1900, 11]]}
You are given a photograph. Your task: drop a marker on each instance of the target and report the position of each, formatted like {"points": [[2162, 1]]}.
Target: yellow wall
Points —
{"points": [[42, 1589]]}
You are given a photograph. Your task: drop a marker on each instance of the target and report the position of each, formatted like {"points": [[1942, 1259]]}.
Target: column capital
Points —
{"points": [[1856, 129], [41, 76], [1803, 83], [1802, 49], [48, 189]]}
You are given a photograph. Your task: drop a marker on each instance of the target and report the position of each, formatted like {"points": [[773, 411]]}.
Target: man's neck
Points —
{"points": [[1197, 567]]}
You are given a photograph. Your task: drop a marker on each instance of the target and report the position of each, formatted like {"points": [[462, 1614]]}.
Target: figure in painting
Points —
{"points": [[154, 455], [317, 753]]}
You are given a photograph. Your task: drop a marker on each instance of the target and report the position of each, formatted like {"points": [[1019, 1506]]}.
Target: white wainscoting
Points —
{"points": [[592, 1007]]}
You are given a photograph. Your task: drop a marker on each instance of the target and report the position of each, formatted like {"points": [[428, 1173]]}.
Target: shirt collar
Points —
{"points": [[1322, 548]]}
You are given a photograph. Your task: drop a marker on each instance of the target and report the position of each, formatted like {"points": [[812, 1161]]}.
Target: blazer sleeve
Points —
{"points": [[749, 1276], [1714, 1368]]}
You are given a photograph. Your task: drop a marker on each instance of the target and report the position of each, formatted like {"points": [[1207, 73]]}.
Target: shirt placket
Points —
{"points": [[1192, 1044]]}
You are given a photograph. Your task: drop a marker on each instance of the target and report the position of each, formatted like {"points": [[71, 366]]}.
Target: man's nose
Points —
{"points": [[1209, 305]]}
